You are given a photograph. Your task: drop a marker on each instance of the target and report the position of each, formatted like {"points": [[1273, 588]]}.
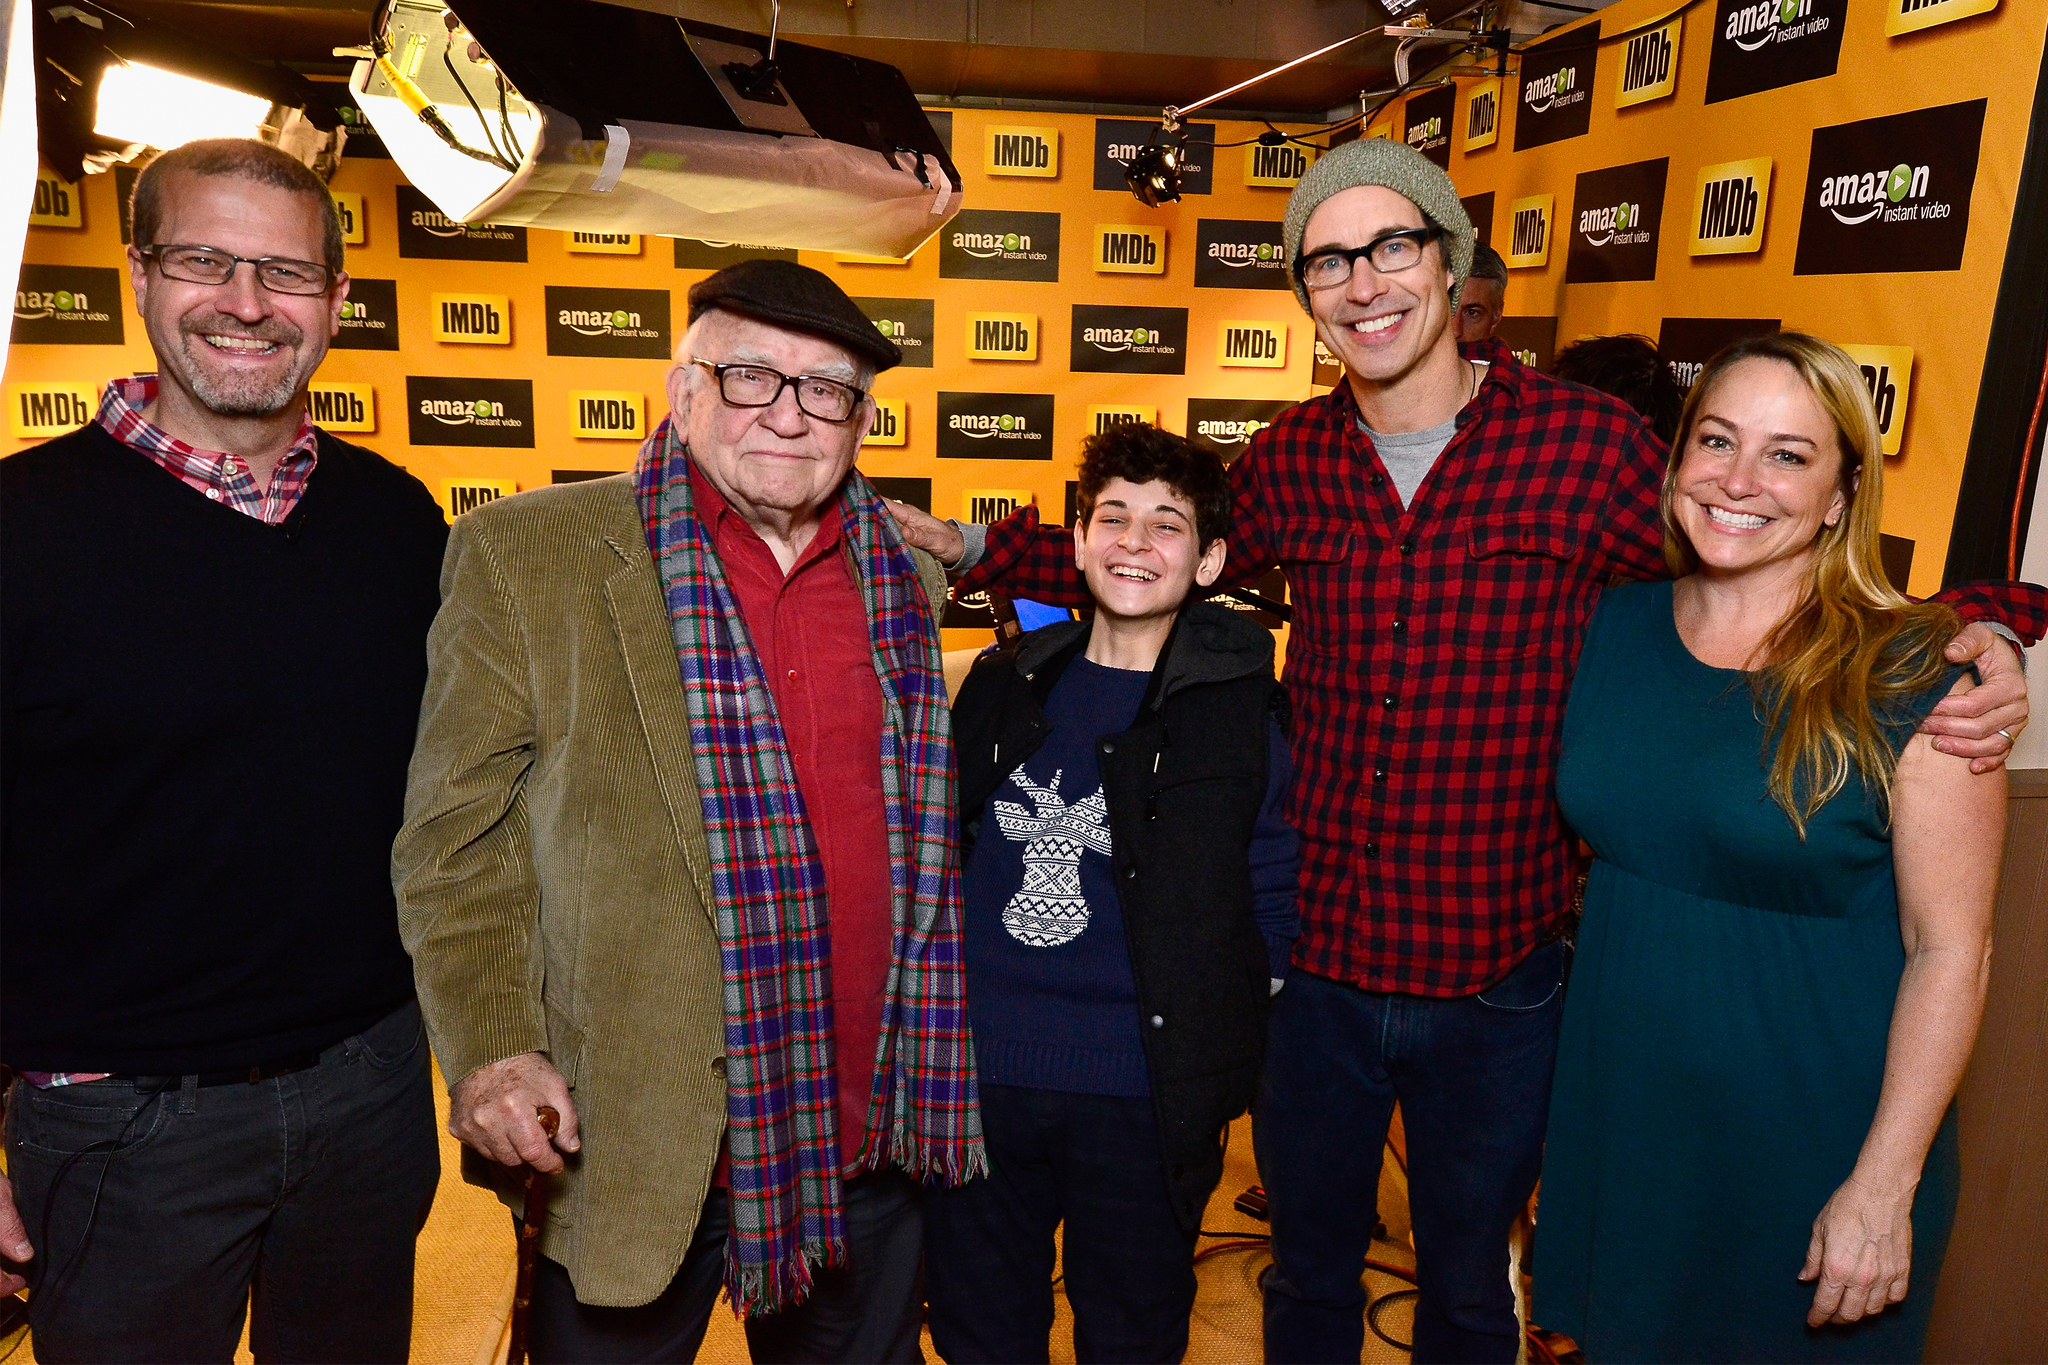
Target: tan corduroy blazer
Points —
{"points": [[554, 886]]}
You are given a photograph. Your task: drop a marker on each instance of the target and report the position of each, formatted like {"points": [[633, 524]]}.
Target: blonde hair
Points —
{"points": [[1854, 647]]}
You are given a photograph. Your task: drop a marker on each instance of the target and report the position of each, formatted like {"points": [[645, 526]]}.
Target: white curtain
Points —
{"points": [[17, 137]]}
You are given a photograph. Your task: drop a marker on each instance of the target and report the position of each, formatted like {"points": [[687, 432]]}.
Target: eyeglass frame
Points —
{"points": [[718, 370], [156, 253], [1421, 236]]}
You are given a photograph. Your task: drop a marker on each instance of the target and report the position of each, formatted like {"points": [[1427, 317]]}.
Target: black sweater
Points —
{"points": [[204, 729]]}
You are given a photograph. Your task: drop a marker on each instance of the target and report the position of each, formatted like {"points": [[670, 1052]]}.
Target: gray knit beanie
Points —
{"points": [[1396, 166]]}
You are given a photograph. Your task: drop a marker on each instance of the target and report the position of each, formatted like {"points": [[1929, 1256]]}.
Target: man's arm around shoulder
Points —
{"points": [[468, 899]]}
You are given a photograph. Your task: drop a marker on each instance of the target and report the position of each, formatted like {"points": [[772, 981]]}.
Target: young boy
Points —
{"points": [[1130, 889]]}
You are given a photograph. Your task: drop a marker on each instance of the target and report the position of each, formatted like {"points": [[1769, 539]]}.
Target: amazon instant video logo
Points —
{"points": [[1890, 194], [608, 322], [1765, 44], [1238, 253], [426, 232], [469, 412], [68, 305], [1124, 340], [984, 244], [995, 426]]}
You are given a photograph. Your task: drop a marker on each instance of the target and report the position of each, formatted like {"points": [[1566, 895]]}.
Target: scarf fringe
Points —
{"points": [[938, 1161], [758, 1290]]}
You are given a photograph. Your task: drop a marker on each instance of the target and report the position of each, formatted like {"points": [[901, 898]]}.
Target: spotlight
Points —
{"points": [[1154, 173], [109, 86], [162, 109], [582, 116]]}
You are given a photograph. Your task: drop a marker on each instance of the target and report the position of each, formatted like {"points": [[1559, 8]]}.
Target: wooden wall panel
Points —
{"points": [[1992, 1306]]}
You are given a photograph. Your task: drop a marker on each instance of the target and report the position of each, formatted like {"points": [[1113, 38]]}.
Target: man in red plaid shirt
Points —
{"points": [[1446, 524]]}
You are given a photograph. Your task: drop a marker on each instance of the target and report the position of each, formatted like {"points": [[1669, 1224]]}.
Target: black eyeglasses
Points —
{"points": [[757, 386], [211, 265], [1390, 255]]}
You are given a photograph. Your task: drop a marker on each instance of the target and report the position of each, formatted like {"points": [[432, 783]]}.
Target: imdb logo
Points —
{"points": [[1002, 336], [473, 319]]}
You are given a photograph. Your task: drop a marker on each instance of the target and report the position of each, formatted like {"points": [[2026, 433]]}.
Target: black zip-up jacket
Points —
{"points": [[1185, 785]]}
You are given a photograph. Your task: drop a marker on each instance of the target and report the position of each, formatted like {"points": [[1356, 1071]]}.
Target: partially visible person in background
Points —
{"points": [[1775, 996], [1628, 367], [1484, 297], [215, 640]]}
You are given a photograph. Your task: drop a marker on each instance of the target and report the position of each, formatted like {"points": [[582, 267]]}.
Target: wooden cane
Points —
{"points": [[529, 1247]]}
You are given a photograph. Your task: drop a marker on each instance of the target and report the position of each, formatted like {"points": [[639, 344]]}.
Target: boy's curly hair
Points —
{"points": [[1141, 453]]}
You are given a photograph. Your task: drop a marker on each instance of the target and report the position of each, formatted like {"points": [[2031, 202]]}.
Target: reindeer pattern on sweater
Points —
{"points": [[1049, 909]]}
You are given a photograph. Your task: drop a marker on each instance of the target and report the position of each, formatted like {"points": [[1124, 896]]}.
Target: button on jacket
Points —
{"points": [[1430, 658]]}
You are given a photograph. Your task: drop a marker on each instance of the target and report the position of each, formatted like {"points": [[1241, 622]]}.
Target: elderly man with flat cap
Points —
{"points": [[679, 859]]}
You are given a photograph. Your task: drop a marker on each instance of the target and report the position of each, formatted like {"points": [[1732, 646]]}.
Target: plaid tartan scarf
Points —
{"points": [[773, 920]]}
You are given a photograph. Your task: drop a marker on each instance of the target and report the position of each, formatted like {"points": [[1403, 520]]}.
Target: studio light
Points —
{"points": [[588, 117], [163, 109], [110, 87], [1154, 173]]}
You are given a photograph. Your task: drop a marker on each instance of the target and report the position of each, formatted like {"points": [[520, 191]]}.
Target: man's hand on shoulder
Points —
{"points": [[494, 1109], [1981, 724], [14, 1243], [940, 539]]}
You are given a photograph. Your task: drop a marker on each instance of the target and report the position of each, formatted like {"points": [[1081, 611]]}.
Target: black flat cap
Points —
{"points": [[799, 298]]}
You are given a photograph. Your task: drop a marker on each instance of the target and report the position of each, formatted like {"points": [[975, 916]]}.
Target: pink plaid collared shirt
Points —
{"points": [[225, 479]]}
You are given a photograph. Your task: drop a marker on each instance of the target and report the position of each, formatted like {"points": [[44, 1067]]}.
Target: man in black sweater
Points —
{"points": [[212, 652]]}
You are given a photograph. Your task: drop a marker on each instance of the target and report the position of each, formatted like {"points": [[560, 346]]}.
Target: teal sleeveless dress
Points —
{"points": [[1725, 1027]]}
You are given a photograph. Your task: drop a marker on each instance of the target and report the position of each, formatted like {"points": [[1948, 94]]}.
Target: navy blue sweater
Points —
{"points": [[1048, 963]]}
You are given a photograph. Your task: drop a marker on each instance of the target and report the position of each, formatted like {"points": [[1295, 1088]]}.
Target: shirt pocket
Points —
{"points": [[1516, 579], [1315, 554]]}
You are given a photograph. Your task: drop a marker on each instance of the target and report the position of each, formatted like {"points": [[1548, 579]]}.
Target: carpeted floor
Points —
{"points": [[465, 1279]]}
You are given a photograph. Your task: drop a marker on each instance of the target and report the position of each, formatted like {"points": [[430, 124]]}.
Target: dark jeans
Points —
{"points": [[308, 1188], [1094, 1161], [868, 1310], [1472, 1075]]}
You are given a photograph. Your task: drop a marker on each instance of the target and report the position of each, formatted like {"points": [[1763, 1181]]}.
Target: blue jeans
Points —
{"points": [[1472, 1075]]}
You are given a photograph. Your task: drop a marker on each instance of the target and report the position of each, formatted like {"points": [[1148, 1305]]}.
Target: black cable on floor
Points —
{"points": [[1372, 1316]]}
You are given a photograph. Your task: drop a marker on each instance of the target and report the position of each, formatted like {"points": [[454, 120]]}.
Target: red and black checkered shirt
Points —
{"points": [[1430, 659]]}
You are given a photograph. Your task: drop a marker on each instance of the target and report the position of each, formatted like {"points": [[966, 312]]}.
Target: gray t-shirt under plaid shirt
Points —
{"points": [[1408, 455]]}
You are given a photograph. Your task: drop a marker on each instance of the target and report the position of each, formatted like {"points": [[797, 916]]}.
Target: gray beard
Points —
{"points": [[238, 396]]}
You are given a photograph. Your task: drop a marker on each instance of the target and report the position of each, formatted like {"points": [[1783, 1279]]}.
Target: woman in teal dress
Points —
{"points": [[1752, 1149]]}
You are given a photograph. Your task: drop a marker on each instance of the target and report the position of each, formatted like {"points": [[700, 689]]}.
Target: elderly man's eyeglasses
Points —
{"points": [[1391, 254], [757, 386], [210, 265]]}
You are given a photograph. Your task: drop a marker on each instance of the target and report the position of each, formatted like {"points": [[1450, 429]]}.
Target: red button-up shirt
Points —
{"points": [[810, 631], [1431, 656]]}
